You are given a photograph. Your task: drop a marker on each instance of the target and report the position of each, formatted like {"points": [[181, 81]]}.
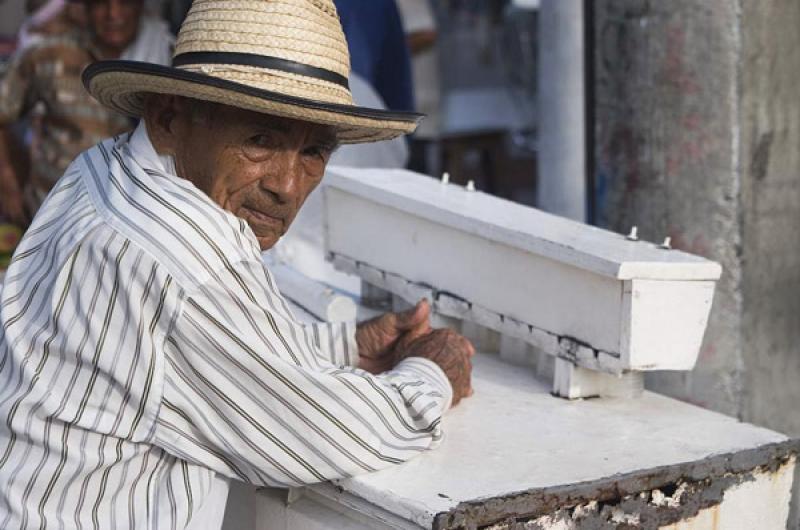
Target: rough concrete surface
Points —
{"points": [[737, 502], [697, 126], [770, 136], [647, 499]]}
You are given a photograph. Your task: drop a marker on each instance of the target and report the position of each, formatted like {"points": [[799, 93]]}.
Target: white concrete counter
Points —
{"points": [[513, 450], [513, 436]]}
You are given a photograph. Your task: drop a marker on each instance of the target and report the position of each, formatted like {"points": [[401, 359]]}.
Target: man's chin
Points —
{"points": [[267, 242], [116, 41], [267, 230]]}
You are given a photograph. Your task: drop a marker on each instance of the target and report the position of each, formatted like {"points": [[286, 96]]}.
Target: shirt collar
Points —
{"points": [[145, 154]]}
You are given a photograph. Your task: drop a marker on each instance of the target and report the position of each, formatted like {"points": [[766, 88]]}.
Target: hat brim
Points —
{"points": [[122, 85]]}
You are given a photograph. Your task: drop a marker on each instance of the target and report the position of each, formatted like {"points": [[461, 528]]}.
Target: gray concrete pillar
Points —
{"points": [[561, 109], [697, 128]]}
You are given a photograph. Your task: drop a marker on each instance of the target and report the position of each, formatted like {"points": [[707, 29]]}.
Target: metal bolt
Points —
{"points": [[634, 235], [471, 185], [667, 244], [445, 178]]}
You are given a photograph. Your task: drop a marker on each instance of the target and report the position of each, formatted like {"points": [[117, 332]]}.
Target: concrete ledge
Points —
{"points": [[661, 496]]}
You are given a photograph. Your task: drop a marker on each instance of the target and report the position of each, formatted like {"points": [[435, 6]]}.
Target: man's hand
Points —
{"points": [[12, 204], [382, 339], [453, 354]]}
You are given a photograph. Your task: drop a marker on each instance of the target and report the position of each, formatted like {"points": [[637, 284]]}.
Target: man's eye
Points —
{"points": [[320, 151], [259, 147], [260, 140]]}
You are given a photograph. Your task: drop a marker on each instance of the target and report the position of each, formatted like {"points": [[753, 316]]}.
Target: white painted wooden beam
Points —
{"points": [[583, 294], [527, 229]]}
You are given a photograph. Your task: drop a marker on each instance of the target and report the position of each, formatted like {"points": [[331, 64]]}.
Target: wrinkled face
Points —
{"points": [[260, 168], [114, 23]]}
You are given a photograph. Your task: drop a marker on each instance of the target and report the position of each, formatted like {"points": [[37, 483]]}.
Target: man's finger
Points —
{"points": [[468, 346], [417, 316]]}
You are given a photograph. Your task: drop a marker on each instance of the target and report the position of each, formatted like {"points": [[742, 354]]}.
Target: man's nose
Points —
{"points": [[284, 177]]}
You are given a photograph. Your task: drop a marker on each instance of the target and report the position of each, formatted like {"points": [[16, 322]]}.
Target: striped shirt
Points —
{"points": [[147, 358]]}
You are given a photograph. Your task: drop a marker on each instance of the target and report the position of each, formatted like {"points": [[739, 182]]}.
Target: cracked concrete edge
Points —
{"points": [[709, 478]]}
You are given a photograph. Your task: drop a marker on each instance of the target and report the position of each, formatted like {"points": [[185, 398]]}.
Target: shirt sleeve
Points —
{"points": [[248, 392], [335, 342], [17, 90]]}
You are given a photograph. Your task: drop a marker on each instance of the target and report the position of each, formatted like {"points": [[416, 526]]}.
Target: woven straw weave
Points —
{"points": [[298, 30]]}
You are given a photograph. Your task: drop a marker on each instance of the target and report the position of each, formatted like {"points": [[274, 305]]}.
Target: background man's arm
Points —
{"points": [[421, 41], [17, 92], [419, 24], [11, 197]]}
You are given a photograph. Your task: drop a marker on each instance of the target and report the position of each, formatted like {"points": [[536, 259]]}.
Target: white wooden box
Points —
{"points": [[585, 294]]}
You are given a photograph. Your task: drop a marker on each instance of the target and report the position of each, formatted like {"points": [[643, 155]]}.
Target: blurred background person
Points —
{"points": [[47, 18], [378, 50], [174, 12], [419, 24], [46, 73]]}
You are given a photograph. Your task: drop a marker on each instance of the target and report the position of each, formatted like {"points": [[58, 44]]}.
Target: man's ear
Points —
{"points": [[161, 113]]}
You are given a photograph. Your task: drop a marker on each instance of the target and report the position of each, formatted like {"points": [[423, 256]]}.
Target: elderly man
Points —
{"points": [[45, 75], [147, 355]]}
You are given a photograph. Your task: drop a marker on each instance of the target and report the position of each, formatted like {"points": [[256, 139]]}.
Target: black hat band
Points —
{"points": [[260, 61]]}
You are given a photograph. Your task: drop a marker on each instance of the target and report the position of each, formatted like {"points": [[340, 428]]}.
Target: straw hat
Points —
{"points": [[283, 57]]}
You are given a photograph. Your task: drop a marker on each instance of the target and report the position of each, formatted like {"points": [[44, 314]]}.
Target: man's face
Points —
{"points": [[260, 168], [114, 23]]}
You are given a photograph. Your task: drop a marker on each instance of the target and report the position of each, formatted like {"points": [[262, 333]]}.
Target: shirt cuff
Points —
{"points": [[429, 372]]}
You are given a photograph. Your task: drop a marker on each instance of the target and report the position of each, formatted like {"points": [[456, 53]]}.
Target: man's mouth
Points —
{"points": [[264, 220], [115, 28]]}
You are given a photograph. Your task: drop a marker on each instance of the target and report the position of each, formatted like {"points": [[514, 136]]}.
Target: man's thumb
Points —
{"points": [[414, 317]]}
